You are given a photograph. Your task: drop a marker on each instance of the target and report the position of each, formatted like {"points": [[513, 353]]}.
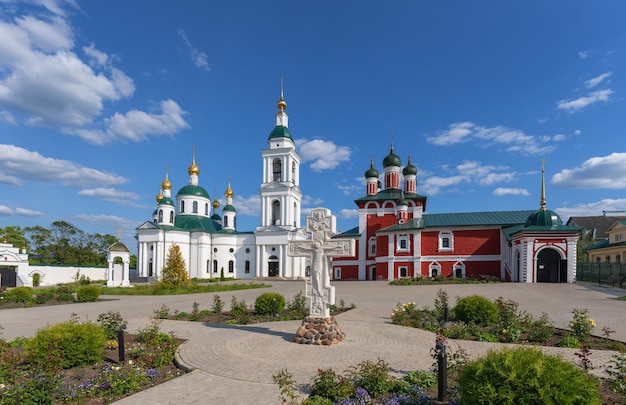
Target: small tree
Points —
{"points": [[174, 273]]}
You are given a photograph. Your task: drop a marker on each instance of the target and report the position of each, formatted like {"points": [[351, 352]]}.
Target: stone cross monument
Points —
{"points": [[320, 247]]}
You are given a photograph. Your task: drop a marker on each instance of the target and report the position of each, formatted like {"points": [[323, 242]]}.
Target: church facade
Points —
{"points": [[396, 238], [211, 244]]}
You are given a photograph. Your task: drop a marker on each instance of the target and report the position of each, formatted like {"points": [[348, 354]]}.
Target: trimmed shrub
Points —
{"points": [[44, 296], [525, 376], [264, 302], [88, 293], [66, 345], [476, 309], [328, 384], [64, 293], [19, 294], [36, 279]]}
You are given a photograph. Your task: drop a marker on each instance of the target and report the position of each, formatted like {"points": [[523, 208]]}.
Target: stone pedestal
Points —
{"points": [[319, 331]]}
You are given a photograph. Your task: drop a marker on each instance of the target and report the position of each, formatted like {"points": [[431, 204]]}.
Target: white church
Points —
{"points": [[210, 243]]}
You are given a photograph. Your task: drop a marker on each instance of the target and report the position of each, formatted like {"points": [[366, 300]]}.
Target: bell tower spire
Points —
{"points": [[542, 203]]}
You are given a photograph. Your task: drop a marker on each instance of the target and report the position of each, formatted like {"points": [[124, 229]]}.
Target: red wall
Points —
{"points": [[470, 242]]}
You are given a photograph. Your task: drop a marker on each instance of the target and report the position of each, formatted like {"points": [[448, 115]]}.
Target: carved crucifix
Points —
{"points": [[320, 226]]}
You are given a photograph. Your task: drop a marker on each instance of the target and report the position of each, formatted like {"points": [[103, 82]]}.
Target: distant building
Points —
{"points": [[396, 238], [612, 249], [596, 226]]}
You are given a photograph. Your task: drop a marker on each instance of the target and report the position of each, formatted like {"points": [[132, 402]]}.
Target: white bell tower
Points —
{"points": [[281, 197]]}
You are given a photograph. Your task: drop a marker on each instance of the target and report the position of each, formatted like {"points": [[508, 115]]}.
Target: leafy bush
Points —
{"points": [[88, 293], [570, 341], [424, 379], [582, 326], [525, 376], [64, 293], [264, 303], [541, 329], [298, 303], [617, 373], [476, 309], [457, 331], [111, 322], [239, 311], [373, 377], [19, 294], [487, 337], [36, 279], [160, 348], [66, 345], [44, 296], [218, 304], [328, 384]]}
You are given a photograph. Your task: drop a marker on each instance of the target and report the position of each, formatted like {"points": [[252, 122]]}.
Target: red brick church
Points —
{"points": [[396, 238]]}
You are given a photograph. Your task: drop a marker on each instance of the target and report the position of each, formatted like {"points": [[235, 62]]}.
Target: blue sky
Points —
{"points": [[98, 98]]}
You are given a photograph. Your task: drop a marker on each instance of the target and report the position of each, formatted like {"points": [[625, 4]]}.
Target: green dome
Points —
{"points": [[166, 201], [544, 218], [190, 189], [229, 208], [371, 172], [280, 132], [402, 201], [216, 217], [409, 169], [392, 159]]}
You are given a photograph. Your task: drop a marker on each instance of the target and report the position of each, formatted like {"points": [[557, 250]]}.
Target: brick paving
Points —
{"points": [[234, 364]]}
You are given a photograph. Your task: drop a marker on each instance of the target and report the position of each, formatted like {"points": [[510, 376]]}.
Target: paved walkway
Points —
{"points": [[234, 364]]}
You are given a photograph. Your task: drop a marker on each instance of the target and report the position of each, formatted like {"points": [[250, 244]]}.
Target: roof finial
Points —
{"points": [[119, 234], [282, 104], [542, 204]]}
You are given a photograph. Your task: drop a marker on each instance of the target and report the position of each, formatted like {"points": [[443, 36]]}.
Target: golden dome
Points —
{"points": [[166, 184], [229, 192], [281, 104], [159, 196], [216, 204], [193, 169]]}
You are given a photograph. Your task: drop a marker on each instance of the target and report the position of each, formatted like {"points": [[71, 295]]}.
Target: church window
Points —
{"points": [[171, 217], [403, 272], [194, 208], [458, 271], [231, 266], [608, 259], [231, 250], [182, 206], [160, 215], [446, 241], [402, 243], [215, 266], [206, 209], [275, 212], [295, 213], [247, 268], [434, 269], [372, 246], [208, 266], [225, 221], [276, 170], [293, 172]]}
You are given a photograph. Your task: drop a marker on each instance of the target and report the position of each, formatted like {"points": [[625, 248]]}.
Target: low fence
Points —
{"points": [[595, 272]]}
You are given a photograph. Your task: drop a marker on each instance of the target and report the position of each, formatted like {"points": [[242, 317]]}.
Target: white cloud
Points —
{"points": [[5, 211], [112, 195], [348, 190], [44, 82], [348, 213], [199, 58], [248, 206], [591, 83], [18, 165], [324, 155], [595, 173], [584, 54], [512, 140], [592, 209], [114, 222], [311, 201], [28, 213], [501, 191], [579, 103], [432, 185], [578, 132]]}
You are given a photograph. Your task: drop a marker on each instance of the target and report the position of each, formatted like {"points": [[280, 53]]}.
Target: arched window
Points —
{"points": [[182, 206], [215, 266], [225, 221], [434, 269], [295, 214], [231, 266], [293, 172], [171, 217], [208, 266], [277, 170], [275, 212], [247, 268], [160, 215], [206, 209], [372, 246], [194, 208]]}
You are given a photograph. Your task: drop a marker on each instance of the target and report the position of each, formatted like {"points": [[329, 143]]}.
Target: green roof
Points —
{"points": [[391, 194], [229, 208], [280, 132], [194, 223], [477, 218], [190, 189], [167, 201]]}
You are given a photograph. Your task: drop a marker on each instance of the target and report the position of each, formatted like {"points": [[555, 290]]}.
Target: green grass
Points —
{"points": [[194, 289]]}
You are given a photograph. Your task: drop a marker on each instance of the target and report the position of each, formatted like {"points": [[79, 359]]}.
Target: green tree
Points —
{"points": [[14, 235], [583, 243], [174, 273]]}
